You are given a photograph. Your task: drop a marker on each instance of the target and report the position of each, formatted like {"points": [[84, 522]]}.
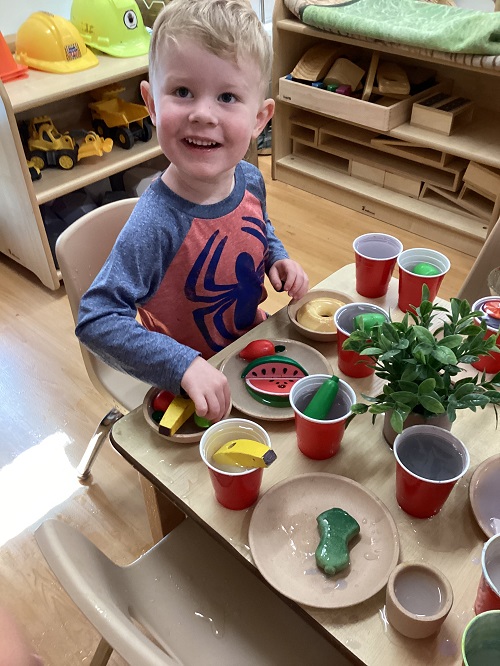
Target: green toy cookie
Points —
{"points": [[336, 528]]}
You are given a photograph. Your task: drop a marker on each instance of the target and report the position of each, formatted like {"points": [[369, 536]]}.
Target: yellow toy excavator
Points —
{"points": [[48, 147]]}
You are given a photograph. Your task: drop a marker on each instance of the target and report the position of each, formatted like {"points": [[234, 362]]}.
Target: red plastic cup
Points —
{"points": [[488, 593], [235, 488], [376, 256], [320, 439], [489, 363], [351, 363], [410, 284], [430, 460]]}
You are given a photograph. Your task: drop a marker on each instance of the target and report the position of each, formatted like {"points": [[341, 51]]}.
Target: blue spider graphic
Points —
{"points": [[245, 293]]}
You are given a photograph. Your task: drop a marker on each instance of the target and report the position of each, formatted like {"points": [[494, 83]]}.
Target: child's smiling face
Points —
{"points": [[206, 110]]}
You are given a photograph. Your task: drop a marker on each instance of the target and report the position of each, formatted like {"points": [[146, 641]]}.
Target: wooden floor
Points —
{"points": [[48, 411]]}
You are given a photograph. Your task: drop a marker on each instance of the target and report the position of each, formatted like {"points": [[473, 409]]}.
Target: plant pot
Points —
{"points": [[440, 420]]}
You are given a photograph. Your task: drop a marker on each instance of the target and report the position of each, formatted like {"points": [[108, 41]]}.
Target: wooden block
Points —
{"points": [[402, 184], [367, 172], [344, 72], [484, 179], [316, 62], [447, 200], [392, 78], [370, 77], [476, 203], [440, 113]]}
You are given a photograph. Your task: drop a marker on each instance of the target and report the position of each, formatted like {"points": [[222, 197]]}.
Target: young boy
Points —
{"points": [[192, 257]]}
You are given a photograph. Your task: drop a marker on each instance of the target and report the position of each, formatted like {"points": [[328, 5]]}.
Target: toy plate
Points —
{"points": [[310, 359], [188, 433], [484, 494], [283, 537]]}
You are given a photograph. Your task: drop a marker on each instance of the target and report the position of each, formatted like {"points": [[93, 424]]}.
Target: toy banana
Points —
{"points": [[177, 413], [245, 453]]}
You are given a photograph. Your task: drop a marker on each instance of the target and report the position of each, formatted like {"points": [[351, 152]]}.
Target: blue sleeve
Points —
{"points": [[256, 185], [130, 277]]}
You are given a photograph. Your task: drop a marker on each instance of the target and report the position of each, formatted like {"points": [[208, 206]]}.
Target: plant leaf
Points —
{"points": [[431, 404], [450, 341], [444, 355], [426, 386], [397, 421]]}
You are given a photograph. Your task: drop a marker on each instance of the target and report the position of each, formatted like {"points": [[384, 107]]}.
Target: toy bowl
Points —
{"points": [[294, 314], [188, 433]]}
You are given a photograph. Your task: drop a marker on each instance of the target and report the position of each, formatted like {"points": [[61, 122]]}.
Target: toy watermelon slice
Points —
{"points": [[269, 379]]}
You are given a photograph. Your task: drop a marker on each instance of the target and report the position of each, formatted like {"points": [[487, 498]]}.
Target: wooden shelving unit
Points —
{"points": [[64, 97], [404, 175]]}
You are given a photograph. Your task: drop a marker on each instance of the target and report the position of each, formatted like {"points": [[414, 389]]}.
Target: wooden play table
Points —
{"points": [[452, 540]]}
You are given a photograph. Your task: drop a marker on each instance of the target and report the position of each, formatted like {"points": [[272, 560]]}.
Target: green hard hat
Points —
{"points": [[112, 26]]}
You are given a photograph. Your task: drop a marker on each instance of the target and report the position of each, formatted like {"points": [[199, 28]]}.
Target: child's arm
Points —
{"points": [[208, 388], [287, 275]]}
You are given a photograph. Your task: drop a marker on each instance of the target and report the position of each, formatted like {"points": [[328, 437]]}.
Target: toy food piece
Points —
{"points": [[177, 413], [323, 399], [244, 453], [162, 400], [259, 348], [317, 314], [336, 528], [423, 268], [365, 322], [269, 379], [202, 422]]}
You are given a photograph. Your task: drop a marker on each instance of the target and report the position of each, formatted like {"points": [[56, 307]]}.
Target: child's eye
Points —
{"points": [[182, 92], [227, 98]]}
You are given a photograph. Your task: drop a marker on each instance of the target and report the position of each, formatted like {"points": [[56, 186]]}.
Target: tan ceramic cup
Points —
{"points": [[418, 599]]}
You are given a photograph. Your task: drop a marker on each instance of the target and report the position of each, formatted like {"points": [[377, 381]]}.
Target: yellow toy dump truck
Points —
{"points": [[48, 147], [124, 122]]}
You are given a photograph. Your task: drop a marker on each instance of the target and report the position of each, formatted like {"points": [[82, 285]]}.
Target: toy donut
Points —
{"points": [[317, 314]]}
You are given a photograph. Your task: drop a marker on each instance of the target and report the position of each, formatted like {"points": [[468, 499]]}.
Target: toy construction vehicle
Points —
{"points": [[48, 147], [35, 172], [124, 122]]}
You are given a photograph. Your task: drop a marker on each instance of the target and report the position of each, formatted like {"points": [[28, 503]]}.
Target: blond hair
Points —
{"points": [[229, 29]]}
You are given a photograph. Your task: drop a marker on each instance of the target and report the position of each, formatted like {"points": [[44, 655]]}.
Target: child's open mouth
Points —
{"points": [[201, 144]]}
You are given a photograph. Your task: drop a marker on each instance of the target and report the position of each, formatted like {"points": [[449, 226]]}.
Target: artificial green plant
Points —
{"points": [[420, 357]]}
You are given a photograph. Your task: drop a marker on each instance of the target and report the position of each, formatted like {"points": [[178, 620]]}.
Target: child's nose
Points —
{"points": [[203, 111]]}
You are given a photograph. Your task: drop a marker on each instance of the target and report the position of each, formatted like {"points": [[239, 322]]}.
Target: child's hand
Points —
{"points": [[287, 275], [208, 389]]}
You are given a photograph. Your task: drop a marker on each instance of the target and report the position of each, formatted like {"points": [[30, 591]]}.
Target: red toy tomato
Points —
{"points": [[256, 349], [162, 400]]}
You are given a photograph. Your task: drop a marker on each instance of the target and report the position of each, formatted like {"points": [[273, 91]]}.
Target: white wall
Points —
{"points": [[14, 12]]}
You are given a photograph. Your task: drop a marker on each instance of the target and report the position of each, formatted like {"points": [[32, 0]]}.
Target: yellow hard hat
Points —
{"points": [[113, 26], [53, 44]]}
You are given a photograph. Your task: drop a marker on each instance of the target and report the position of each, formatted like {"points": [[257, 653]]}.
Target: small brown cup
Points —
{"points": [[418, 599]]}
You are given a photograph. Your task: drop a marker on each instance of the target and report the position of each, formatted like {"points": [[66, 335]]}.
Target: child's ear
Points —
{"points": [[264, 115], [147, 96]]}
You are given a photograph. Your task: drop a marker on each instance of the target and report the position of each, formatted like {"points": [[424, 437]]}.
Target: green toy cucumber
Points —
{"points": [[336, 528]]}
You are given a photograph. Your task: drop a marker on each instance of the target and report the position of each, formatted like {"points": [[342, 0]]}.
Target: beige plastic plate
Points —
{"points": [[484, 494], [310, 359], [284, 535], [188, 433]]}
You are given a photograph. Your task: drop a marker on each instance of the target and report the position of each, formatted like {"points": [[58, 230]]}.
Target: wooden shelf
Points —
{"points": [[381, 203], [478, 141], [302, 30], [319, 146], [55, 182], [64, 98], [42, 87]]}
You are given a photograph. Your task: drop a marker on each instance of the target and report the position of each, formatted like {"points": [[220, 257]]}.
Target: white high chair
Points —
{"points": [[186, 601], [81, 250]]}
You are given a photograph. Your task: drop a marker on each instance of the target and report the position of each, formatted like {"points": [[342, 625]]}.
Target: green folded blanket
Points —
{"points": [[421, 24]]}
